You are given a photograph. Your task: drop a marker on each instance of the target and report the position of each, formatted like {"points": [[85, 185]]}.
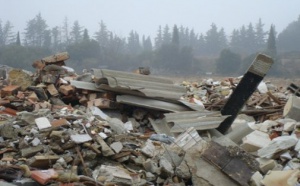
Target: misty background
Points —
{"points": [[170, 36]]}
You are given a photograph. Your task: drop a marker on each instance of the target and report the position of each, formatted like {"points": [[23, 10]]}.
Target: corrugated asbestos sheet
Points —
{"points": [[151, 103], [147, 85], [204, 120]]}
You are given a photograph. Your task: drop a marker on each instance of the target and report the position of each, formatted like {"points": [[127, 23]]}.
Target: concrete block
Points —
{"points": [[292, 108], [255, 140]]}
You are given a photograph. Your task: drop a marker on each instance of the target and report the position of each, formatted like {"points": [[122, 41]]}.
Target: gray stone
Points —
{"points": [[148, 149], [81, 138], [266, 164], [117, 125], [42, 123], [31, 151], [151, 166], [278, 144], [166, 167], [255, 140], [116, 146], [35, 142]]}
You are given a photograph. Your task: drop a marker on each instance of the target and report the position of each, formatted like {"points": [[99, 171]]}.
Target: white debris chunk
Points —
{"points": [[278, 144], [42, 123], [81, 138]]}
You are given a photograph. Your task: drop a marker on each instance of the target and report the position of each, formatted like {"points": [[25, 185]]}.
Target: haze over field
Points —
{"points": [[144, 16]]}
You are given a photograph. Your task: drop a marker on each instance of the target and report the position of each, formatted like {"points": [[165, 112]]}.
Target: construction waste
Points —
{"points": [[106, 127]]}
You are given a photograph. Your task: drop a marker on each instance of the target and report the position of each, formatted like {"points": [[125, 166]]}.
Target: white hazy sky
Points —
{"points": [[144, 16]]}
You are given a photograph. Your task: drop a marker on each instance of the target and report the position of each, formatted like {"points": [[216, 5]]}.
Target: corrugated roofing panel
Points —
{"points": [[151, 103], [199, 120], [150, 86]]}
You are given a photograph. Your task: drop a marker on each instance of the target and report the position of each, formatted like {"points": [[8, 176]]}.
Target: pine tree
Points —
{"points": [[18, 41], [166, 38], [175, 36], [271, 43], [158, 38], [86, 36], [260, 35], [76, 33]]}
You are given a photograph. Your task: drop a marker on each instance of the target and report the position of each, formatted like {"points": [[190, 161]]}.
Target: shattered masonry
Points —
{"points": [[106, 127]]}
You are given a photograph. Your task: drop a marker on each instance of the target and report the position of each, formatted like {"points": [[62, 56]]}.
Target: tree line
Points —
{"points": [[175, 49]]}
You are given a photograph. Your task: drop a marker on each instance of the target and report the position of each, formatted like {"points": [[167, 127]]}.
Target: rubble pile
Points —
{"points": [[106, 127]]}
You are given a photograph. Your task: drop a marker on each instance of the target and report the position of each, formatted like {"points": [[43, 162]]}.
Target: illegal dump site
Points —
{"points": [[106, 127]]}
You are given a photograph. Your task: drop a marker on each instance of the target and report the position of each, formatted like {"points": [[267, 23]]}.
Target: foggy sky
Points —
{"points": [[144, 16]]}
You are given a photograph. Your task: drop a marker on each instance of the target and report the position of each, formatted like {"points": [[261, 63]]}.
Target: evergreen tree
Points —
{"points": [[250, 39], [102, 35], [223, 43], [147, 44], [86, 36], [35, 31], [289, 38], [55, 32], [272, 52], [158, 38], [18, 41], [47, 39], [193, 39], [6, 34], [65, 32], [228, 62], [175, 36], [166, 37], [260, 35], [271, 43], [76, 33], [235, 40], [212, 40]]}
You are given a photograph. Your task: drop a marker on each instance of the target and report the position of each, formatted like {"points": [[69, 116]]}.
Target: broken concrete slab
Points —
{"points": [[255, 140], [292, 108], [278, 144], [281, 178]]}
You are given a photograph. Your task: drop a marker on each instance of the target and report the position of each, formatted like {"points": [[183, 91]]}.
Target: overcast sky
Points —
{"points": [[144, 16]]}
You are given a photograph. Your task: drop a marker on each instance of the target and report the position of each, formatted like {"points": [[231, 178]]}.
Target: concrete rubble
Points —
{"points": [[108, 127]]}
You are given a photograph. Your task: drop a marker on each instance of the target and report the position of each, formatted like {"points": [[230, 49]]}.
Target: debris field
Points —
{"points": [[106, 127]]}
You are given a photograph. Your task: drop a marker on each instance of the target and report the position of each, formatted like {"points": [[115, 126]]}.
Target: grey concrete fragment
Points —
{"points": [[256, 179], [31, 151], [35, 142], [42, 123], [151, 166], [81, 138], [183, 170], [116, 146], [266, 164], [105, 149], [148, 149], [112, 174], [166, 167], [117, 125], [278, 144], [292, 108], [255, 140]]}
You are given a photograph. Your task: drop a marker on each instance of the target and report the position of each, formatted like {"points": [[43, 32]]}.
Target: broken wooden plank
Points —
{"points": [[245, 89]]}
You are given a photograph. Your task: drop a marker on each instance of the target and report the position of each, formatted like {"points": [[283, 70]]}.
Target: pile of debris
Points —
{"points": [[106, 127]]}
